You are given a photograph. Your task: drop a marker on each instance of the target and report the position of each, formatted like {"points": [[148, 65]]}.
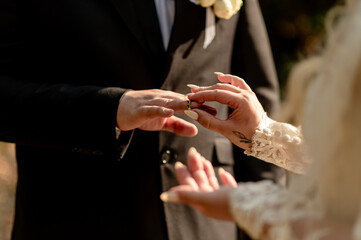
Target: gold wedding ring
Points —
{"points": [[189, 105]]}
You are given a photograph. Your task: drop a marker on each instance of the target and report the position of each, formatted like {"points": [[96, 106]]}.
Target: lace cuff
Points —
{"points": [[264, 211], [253, 205], [280, 144]]}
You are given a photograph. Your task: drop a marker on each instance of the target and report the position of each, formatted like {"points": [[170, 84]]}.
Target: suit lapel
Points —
{"points": [[188, 26], [142, 20]]}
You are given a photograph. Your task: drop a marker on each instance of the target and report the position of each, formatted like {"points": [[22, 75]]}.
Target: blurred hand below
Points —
{"points": [[200, 189]]}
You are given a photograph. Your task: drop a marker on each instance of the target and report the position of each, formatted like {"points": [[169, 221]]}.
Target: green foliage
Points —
{"points": [[296, 30]]}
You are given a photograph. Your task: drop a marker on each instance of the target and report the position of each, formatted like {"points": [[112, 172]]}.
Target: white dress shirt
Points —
{"points": [[166, 13]]}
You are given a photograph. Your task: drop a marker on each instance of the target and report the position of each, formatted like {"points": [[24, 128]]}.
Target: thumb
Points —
{"points": [[179, 126], [191, 198], [205, 119], [182, 194]]}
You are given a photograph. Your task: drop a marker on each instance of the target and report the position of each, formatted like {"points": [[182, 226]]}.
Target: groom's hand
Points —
{"points": [[152, 110]]}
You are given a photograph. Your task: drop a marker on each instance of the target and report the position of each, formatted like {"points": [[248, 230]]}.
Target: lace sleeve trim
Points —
{"points": [[262, 210], [255, 204], [280, 144]]}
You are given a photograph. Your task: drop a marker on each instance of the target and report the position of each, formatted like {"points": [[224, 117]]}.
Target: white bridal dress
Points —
{"points": [[326, 157], [333, 193]]}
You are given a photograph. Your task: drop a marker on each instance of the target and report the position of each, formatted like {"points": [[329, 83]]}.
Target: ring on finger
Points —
{"points": [[189, 105]]}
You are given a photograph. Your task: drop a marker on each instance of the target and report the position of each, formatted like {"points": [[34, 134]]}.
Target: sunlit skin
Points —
{"points": [[199, 187], [152, 110], [247, 113]]}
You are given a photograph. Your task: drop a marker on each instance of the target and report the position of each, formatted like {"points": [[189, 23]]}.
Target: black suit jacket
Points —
{"points": [[65, 65]]}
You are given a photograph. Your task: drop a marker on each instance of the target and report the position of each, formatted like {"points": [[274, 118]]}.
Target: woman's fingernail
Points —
{"points": [[169, 197], [178, 165], [221, 171], [192, 114], [219, 73], [192, 151], [192, 86]]}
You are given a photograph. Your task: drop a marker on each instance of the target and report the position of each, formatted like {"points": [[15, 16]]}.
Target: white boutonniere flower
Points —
{"points": [[220, 8]]}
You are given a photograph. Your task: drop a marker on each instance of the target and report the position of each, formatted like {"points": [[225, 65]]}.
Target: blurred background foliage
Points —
{"points": [[296, 30]]}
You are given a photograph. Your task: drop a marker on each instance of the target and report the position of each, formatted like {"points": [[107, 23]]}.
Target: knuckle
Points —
{"points": [[166, 102], [217, 91], [142, 112]]}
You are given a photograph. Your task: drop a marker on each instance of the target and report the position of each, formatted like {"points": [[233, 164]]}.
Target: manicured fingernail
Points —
{"points": [[192, 86], [169, 197], [192, 151], [219, 73], [221, 171], [192, 114], [178, 165]]}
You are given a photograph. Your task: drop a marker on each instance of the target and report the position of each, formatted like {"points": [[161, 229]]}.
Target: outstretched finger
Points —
{"points": [[196, 168], [206, 120], [221, 86], [148, 112], [229, 98], [208, 168], [184, 177], [226, 178], [234, 80]]}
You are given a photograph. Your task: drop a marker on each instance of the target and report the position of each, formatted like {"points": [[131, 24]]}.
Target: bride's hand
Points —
{"points": [[200, 189], [241, 124]]}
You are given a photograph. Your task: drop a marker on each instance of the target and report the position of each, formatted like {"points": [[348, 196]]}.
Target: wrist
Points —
{"points": [[121, 111]]}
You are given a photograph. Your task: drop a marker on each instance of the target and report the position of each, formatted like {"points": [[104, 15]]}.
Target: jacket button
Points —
{"points": [[166, 156]]}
